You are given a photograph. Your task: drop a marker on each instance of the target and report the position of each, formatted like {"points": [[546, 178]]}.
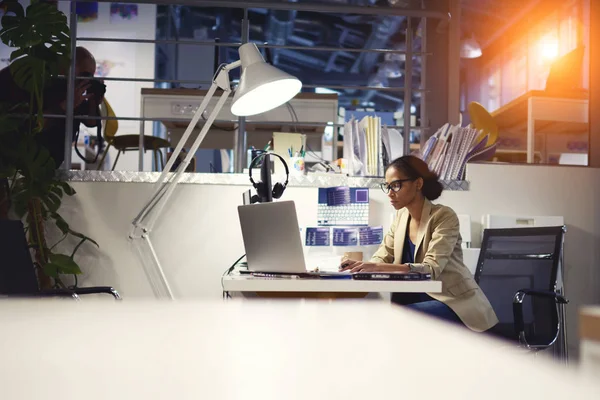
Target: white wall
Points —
{"points": [[199, 236]]}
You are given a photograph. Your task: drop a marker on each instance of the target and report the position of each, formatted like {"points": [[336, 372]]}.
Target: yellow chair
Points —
{"points": [[123, 143], [482, 120]]}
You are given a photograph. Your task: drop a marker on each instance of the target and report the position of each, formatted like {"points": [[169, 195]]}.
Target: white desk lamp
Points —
{"points": [[262, 88]]}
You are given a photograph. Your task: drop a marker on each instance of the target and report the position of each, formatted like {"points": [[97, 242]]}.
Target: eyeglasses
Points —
{"points": [[394, 186]]}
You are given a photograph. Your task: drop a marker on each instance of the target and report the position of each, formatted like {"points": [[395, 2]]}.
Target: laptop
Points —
{"points": [[272, 238]]}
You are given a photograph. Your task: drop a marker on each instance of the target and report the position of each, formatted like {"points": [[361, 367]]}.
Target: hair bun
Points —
{"points": [[414, 167]]}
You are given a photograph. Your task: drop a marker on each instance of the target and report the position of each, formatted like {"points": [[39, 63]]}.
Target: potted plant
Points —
{"points": [[41, 40]]}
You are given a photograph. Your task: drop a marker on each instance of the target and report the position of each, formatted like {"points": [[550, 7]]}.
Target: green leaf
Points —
{"points": [[60, 223], [52, 202], [51, 270], [69, 191], [57, 190], [66, 265], [17, 54], [42, 24], [28, 72], [82, 236], [63, 226]]}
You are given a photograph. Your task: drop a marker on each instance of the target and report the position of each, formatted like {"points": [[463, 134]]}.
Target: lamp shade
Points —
{"points": [[469, 48], [262, 86]]}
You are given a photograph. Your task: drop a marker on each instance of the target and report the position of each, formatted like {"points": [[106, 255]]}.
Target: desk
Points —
{"points": [[327, 288], [176, 107], [567, 113]]}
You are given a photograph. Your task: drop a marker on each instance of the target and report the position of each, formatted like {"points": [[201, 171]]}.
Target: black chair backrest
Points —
{"points": [[521, 258], [17, 274]]}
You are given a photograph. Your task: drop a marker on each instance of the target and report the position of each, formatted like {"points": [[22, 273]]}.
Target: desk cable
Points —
{"points": [[228, 271]]}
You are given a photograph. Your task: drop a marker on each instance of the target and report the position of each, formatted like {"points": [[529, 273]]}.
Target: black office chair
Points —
{"points": [[517, 270], [17, 274]]}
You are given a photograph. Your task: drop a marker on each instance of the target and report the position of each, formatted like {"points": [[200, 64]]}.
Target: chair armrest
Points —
{"points": [[519, 320], [97, 290], [56, 293], [540, 293], [75, 292]]}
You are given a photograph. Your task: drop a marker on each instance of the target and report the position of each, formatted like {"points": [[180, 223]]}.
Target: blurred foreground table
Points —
{"points": [[57, 349]]}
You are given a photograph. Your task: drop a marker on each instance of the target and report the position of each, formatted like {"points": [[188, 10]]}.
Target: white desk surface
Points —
{"points": [[261, 350], [243, 283], [538, 105]]}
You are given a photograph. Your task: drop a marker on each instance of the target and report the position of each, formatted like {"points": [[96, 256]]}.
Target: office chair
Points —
{"points": [[17, 273], [483, 121], [517, 270], [125, 143]]}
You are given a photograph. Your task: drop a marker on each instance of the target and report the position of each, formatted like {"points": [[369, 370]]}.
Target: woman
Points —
{"points": [[425, 237]]}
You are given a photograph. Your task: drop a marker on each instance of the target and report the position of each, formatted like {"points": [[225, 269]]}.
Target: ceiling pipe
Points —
{"points": [[383, 29], [279, 27], [318, 7]]}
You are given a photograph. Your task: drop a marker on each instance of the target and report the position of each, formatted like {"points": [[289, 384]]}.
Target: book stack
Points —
{"points": [[449, 150], [362, 146]]}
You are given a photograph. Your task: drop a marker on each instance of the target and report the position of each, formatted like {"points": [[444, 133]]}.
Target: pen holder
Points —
{"points": [[296, 165], [252, 154]]}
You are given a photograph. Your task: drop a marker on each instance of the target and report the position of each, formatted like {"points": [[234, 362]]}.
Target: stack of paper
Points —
{"points": [[450, 148], [363, 147]]}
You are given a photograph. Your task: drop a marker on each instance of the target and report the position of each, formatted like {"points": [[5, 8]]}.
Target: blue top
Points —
{"points": [[408, 253]]}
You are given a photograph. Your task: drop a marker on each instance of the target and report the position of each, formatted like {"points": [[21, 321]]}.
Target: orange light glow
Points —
{"points": [[549, 49]]}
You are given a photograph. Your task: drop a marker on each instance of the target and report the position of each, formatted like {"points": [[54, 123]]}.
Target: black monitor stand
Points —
{"points": [[265, 177]]}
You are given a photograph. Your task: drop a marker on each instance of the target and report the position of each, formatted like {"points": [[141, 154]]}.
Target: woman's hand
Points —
{"points": [[366, 266]]}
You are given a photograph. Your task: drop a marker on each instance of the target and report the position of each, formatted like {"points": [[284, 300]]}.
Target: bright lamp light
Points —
{"points": [[549, 49], [262, 88], [470, 48]]}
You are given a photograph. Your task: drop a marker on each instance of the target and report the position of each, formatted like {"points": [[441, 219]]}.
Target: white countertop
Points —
{"points": [[263, 350], [243, 283]]}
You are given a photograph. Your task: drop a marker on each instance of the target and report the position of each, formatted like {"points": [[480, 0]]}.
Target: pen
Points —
{"points": [[302, 151]]}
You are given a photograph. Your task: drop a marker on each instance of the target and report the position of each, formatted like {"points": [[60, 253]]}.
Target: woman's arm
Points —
{"points": [[441, 246], [368, 266]]}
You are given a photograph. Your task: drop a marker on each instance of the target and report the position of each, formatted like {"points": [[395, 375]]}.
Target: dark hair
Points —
{"points": [[414, 168]]}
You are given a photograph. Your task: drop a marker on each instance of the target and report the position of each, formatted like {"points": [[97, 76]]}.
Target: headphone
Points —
{"points": [[261, 187]]}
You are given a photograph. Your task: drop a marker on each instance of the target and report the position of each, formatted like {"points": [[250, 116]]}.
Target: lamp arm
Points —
{"points": [[159, 188], [188, 131], [170, 185], [221, 80], [143, 223]]}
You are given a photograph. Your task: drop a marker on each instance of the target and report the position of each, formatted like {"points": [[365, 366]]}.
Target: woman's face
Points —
{"points": [[407, 190]]}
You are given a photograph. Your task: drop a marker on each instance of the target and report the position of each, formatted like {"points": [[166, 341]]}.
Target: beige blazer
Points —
{"points": [[438, 251]]}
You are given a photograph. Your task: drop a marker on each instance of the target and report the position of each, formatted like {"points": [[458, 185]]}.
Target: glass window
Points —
{"points": [[543, 52], [491, 89]]}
